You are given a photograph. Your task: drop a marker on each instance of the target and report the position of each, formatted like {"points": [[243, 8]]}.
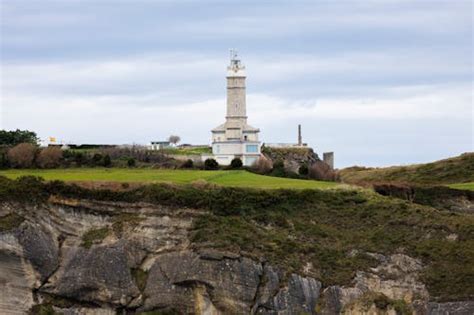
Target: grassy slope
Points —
{"points": [[450, 171], [187, 150], [224, 178], [466, 186], [293, 229]]}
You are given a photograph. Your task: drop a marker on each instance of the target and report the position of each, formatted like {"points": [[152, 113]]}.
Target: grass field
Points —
{"points": [[466, 186], [224, 178]]}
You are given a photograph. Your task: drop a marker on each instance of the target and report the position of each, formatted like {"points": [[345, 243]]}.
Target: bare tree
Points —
{"points": [[174, 139], [49, 157], [22, 155], [263, 165], [321, 171]]}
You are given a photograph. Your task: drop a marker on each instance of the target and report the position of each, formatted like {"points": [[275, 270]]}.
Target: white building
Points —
{"points": [[235, 138]]}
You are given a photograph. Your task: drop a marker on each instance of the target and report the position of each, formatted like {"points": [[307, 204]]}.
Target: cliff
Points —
{"points": [[171, 250]]}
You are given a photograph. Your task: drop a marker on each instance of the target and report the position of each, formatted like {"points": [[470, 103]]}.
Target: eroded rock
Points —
{"points": [[99, 274]]}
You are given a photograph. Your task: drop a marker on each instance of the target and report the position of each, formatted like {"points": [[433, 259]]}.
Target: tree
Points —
{"points": [[107, 161], [174, 139], [22, 155], [131, 162], [79, 158], [187, 164], [279, 169], [4, 160], [49, 157], [97, 159], [263, 165], [236, 163], [321, 171], [303, 169], [211, 164], [12, 138]]}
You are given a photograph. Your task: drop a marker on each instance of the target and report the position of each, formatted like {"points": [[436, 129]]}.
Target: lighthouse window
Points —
{"points": [[252, 148]]}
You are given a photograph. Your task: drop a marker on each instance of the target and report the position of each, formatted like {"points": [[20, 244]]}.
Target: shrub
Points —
{"points": [[49, 157], [94, 236], [278, 164], [79, 158], [263, 165], [10, 221], [4, 160], [131, 162], [187, 164], [321, 171], [97, 159], [22, 155], [236, 163], [211, 164], [107, 161], [303, 170], [279, 169]]}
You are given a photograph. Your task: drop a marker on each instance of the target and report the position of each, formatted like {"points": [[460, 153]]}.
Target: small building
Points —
{"points": [[235, 138], [159, 145]]}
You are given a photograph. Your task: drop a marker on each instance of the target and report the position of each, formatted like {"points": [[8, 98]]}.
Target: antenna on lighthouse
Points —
{"points": [[234, 61]]}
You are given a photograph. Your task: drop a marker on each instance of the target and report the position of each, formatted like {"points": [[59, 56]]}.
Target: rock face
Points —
{"points": [[396, 278], [292, 158], [461, 308], [100, 274], [151, 265]]}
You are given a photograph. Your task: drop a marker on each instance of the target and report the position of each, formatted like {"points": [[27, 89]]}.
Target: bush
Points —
{"points": [[107, 161], [79, 158], [22, 155], [279, 169], [4, 160], [49, 157], [321, 171], [97, 159], [131, 162], [236, 163], [187, 164], [211, 164], [263, 165], [279, 164], [303, 170]]}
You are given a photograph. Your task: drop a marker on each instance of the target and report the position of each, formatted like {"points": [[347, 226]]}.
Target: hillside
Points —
{"points": [[234, 178], [455, 170], [221, 250]]}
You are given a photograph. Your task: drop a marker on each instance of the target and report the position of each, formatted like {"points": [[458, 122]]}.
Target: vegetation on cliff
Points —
{"points": [[449, 171], [325, 234]]}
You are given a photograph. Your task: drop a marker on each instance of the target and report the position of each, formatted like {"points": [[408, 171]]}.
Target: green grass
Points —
{"points": [[94, 236], [187, 150], [464, 186], [225, 178]]}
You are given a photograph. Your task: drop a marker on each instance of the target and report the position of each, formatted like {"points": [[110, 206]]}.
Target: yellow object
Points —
{"points": [[52, 139]]}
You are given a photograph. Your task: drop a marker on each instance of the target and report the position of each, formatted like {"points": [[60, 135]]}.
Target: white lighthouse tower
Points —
{"points": [[235, 138]]}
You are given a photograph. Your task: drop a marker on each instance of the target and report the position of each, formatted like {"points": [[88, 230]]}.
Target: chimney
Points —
{"points": [[300, 140]]}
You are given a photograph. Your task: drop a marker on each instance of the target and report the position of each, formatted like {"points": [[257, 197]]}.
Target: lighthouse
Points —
{"points": [[235, 138]]}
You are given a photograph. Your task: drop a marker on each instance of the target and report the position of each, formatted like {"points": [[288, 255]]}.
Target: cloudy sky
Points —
{"points": [[379, 82]]}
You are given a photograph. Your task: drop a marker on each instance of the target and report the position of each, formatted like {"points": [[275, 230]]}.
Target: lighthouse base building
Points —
{"points": [[235, 138]]}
